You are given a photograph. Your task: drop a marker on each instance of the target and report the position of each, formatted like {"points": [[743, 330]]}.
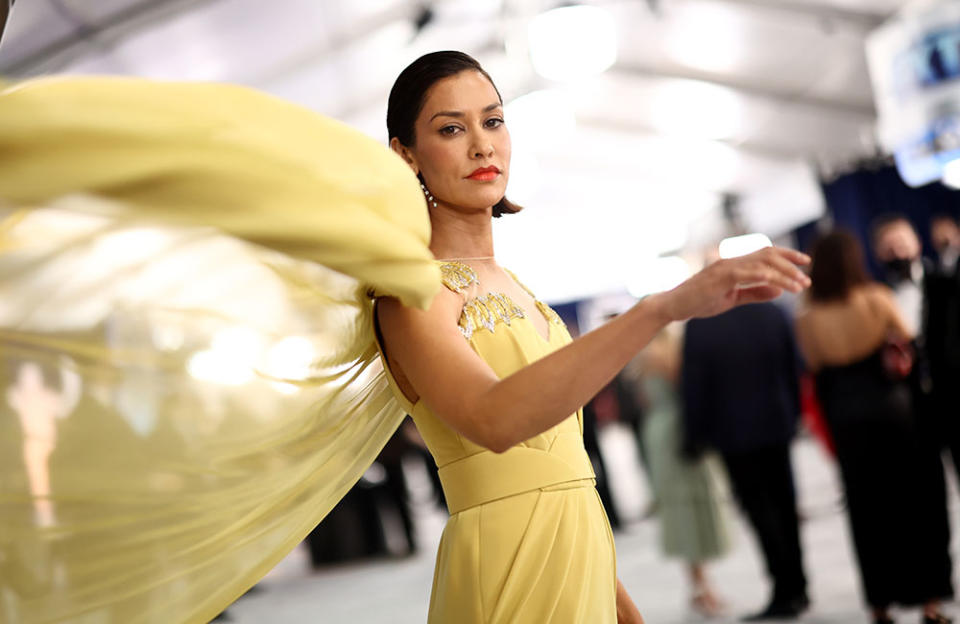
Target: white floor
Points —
{"points": [[388, 592]]}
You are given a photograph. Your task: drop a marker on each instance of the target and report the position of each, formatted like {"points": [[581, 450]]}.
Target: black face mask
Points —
{"points": [[899, 269]]}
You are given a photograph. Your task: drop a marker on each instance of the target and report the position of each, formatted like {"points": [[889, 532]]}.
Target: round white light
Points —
{"points": [[736, 246], [706, 37], [572, 42], [951, 174]]}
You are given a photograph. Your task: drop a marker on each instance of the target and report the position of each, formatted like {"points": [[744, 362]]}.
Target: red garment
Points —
{"points": [[811, 414]]}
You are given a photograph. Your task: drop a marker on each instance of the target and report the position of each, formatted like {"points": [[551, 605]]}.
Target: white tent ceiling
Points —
{"points": [[707, 98]]}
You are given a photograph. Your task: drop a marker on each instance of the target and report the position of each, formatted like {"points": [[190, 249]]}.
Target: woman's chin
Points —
{"points": [[477, 203]]}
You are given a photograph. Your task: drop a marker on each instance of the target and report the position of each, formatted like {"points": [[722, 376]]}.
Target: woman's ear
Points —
{"points": [[405, 154]]}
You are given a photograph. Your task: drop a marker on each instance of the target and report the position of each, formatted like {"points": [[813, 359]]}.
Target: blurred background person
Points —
{"points": [[843, 332], [740, 375], [690, 491], [945, 237], [896, 247], [927, 302], [942, 330]]}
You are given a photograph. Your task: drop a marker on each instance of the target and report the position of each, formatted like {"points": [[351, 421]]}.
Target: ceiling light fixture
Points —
{"points": [[572, 42]]}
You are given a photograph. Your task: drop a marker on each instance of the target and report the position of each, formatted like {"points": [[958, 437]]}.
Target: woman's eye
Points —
{"points": [[449, 130], [494, 122]]}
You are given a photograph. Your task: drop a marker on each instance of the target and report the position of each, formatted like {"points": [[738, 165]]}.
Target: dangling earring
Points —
{"points": [[429, 196]]}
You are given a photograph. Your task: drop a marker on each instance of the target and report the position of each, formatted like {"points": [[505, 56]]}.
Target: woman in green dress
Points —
{"points": [[690, 492]]}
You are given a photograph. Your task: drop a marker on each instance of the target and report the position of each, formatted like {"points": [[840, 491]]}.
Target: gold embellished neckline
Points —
{"points": [[488, 310]]}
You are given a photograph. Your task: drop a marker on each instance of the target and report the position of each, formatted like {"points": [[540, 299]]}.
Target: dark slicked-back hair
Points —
{"points": [[837, 268], [409, 93]]}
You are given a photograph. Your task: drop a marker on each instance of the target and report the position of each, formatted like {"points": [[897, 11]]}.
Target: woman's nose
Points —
{"points": [[483, 150]]}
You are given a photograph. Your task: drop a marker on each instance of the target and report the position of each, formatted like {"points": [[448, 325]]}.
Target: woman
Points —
{"points": [[842, 332], [243, 462], [495, 383], [690, 492]]}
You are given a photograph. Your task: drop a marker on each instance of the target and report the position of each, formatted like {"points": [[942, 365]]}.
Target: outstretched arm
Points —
{"points": [[434, 363]]}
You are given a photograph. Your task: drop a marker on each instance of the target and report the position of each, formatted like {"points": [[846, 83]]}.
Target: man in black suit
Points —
{"points": [[740, 383]]}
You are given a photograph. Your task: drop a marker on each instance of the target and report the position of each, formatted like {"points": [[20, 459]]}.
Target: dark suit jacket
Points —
{"points": [[941, 333], [740, 380]]}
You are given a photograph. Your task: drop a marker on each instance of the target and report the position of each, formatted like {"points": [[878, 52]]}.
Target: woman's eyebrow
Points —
{"points": [[489, 108]]}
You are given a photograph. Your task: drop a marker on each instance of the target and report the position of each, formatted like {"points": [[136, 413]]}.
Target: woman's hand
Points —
{"points": [[760, 276]]}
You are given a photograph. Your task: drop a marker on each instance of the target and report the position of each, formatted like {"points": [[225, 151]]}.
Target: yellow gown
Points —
{"points": [[527, 539]]}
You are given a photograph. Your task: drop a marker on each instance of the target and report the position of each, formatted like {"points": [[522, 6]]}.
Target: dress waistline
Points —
{"points": [[489, 476]]}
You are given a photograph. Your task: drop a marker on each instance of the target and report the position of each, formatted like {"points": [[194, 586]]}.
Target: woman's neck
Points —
{"points": [[461, 235]]}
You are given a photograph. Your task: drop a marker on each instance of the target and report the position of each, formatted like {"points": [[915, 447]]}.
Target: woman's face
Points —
{"points": [[462, 146]]}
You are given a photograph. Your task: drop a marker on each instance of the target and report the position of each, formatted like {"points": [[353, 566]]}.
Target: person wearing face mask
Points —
{"points": [[896, 247], [927, 297]]}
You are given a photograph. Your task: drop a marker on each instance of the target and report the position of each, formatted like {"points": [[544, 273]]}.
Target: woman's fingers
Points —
{"points": [[796, 257], [773, 266], [760, 276], [758, 294], [750, 275], [779, 262]]}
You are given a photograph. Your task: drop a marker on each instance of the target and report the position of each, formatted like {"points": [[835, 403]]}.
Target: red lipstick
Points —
{"points": [[484, 174]]}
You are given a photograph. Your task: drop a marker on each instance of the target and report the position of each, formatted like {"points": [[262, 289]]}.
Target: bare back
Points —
{"points": [[838, 333]]}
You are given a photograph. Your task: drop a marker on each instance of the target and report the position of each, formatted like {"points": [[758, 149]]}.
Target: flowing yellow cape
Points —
{"points": [[188, 379]]}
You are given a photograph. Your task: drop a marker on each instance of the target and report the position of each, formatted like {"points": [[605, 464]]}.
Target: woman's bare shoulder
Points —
{"points": [[876, 293], [445, 307]]}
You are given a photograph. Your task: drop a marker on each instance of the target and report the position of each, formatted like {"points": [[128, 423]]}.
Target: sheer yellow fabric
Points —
{"points": [[188, 373]]}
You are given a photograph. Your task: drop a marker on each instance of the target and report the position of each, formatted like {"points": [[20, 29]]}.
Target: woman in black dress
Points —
{"points": [[889, 474]]}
